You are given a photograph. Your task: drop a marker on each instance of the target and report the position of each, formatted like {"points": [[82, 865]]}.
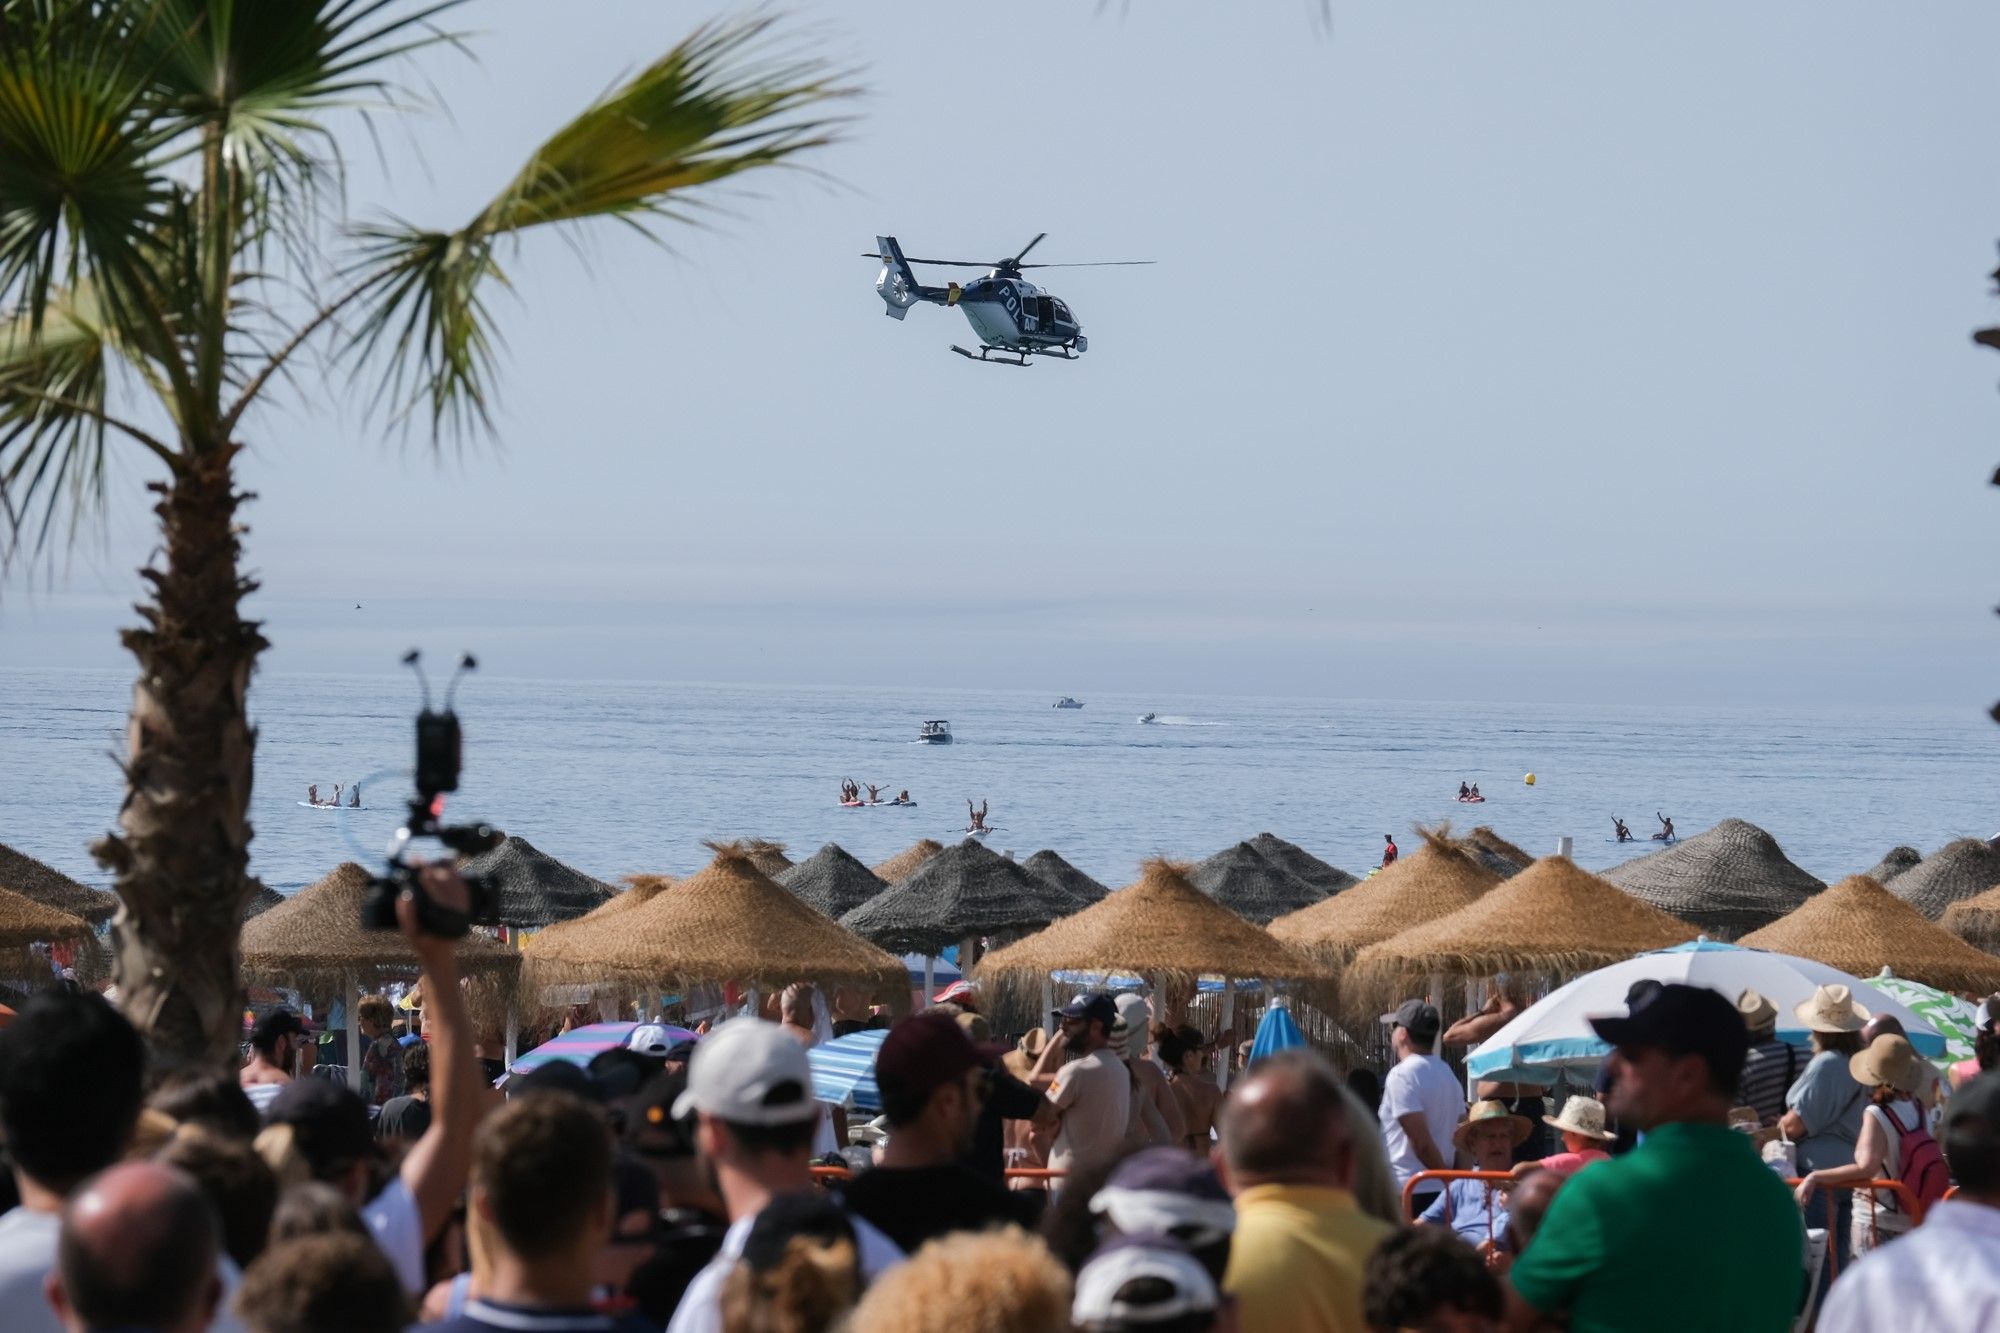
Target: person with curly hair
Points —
{"points": [[1003, 1281], [1427, 1279]]}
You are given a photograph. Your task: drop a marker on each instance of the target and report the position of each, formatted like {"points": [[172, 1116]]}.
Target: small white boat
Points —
{"points": [[1067, 702], [936, 732], [1148, 717]]}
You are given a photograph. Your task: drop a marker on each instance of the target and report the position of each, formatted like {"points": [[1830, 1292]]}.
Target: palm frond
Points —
{"points": [[725, 101], [52, 424]]}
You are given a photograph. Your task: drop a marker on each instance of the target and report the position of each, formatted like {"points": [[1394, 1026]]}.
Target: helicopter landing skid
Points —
{"points": [[1060, 353]]}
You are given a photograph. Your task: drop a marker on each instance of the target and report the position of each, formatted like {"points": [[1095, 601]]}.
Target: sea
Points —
{"points": [[623, 777]]}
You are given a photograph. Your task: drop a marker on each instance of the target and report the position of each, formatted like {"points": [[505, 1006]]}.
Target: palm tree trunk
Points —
{"points": [[182, 859]]}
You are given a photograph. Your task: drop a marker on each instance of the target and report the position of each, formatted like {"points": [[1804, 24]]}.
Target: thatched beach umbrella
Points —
{"points": [[1435, 880], [23, 922], [1955, 872], [1252, 885], [1049, 866], [1499, 855], [1731, 879], [961, 893], [41, 883], [1327, 878], [904, 863], [831, 882], [769, 857], [535, 889], [1860, 927], [1552, 917], [729, 922], [1976, 919], [1893, 863], [1161, 927], [262, 899], [643, 889]]}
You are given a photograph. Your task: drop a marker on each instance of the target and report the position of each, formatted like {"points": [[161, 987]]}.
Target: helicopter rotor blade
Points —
{"points": [[946, 263], [1100, 263], [1016, 260]]}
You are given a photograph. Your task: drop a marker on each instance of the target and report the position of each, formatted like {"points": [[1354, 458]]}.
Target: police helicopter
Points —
{"points": [[1013, 318]]}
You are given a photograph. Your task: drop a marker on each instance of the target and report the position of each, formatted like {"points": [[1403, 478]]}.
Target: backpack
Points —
{"points": [[1923, 1172]]}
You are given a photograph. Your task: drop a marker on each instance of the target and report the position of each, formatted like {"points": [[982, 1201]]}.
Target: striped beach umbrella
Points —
{"points": [[1955, 1020], [579, 1046], [844, 1070]]}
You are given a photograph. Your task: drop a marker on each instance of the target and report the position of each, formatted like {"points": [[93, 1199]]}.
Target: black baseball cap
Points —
{"points": [[1091, 1004], [280, 1022], [1419, 1017], [329, 1121], [1683, 1020]]}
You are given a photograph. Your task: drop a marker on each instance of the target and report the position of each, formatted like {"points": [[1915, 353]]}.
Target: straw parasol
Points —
{"points": [[23, 922], [1860, 927], [314, 938], [728, 922], [962, 892], [831, 882], [1959, 870], [903, 863], [1252, 885], [1328, 879], [1161, 927], [44, 884], [262, 899], [1894, 862], [1436, 880], [1047, 865], [1976, 919], [1728, 880], [535, 889], [643, 889], [1500, 856], [1551, 917], [769, 857]]}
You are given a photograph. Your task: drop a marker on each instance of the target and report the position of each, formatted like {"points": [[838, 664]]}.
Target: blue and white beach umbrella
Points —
{"points": [[1275, 1032], [844, 1070]]}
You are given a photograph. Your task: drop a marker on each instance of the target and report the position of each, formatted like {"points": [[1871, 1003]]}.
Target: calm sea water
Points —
{"points": [[617, 777]]}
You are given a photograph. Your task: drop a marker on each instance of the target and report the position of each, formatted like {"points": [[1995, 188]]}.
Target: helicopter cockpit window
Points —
{"points": [[1062, 313]]}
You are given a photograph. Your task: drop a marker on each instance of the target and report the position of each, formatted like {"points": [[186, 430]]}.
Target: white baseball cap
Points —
{"points": [[650, 1039], [749, 1072], [1101, 1285]]}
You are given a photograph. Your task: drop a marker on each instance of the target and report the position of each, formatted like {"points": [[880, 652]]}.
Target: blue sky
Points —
{"points": [[1530, 351]]}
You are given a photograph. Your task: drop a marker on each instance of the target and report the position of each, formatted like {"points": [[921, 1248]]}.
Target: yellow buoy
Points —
{"points": [[1530, 779]]}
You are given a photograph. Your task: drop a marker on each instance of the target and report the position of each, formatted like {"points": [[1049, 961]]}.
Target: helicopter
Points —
{"points": [[1013, 318]]}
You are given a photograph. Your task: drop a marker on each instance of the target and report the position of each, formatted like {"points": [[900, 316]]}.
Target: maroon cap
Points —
{"points": [[923, 1053]]}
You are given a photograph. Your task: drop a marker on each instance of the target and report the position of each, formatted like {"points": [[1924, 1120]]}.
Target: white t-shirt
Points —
{"points": [[398, 1228], [28, 1252], [1094, 1094], [700, 1310], [1422, 1084]]}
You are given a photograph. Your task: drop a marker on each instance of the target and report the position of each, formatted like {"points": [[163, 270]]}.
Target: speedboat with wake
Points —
{"points": [[1148, 717], [936, 732]]}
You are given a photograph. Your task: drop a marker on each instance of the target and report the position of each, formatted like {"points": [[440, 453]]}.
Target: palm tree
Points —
{"points": [[173, 234]]}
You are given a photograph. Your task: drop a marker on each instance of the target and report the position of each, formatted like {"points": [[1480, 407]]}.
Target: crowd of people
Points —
{"points": [[686, 1187]]}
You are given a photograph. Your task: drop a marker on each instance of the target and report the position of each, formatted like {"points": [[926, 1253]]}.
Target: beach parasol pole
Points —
{"points": [[930, 977], [513, 1031], [353, 1032], [1048, 1004], [1228, 1017]]}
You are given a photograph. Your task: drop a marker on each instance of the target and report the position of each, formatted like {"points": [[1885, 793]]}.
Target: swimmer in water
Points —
{"points": [[1624, 834], [1666, 833]]}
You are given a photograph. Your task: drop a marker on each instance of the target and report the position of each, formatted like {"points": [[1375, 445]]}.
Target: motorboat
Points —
{"points": [[1067, 702], [1148, 717], [936, 732]]}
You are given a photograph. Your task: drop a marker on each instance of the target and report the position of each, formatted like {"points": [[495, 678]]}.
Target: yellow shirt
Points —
{"points": [[1295, 1261]]}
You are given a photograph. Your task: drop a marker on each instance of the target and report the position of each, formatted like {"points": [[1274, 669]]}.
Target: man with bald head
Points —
{"points": [[1295, 1265], [137, 1250]]}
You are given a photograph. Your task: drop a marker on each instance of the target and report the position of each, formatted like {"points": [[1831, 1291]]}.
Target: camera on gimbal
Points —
{"points": [[438, 741]]}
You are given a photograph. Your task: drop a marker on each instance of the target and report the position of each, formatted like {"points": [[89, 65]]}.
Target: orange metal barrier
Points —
{"points": [[1043, 1173]]}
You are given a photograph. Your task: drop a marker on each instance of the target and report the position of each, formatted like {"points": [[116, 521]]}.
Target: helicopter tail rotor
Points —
{"points": [[896, 284]]}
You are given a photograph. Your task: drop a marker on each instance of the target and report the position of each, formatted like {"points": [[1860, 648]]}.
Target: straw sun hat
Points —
{"points": [[1483, 1112], [1831, 1009], [1891, 1060], [1582, 1115], [1759, 1014]]}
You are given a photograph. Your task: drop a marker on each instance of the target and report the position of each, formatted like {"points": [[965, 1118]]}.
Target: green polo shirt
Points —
{"points": [[1688, 1230]]}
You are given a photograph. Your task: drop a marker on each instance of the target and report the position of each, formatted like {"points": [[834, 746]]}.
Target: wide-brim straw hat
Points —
{"points": [[1435, 880], [727, 922], [831, 882], [1252, 885], [1552, 917], [1048, 865], [1759, 1014], [535, 889], [904, 863], [964, 891], [1831, 1008], [1582, 1115], [1954, 873], [1486, 1113], [1888, 1060], [42, 883], [1328, 878], [1731, 879], [1894, 862], [24, 921], [1860, 927], [1161, 927]]}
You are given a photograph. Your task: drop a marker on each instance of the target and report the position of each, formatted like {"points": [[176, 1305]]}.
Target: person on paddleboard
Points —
{"points": [[354, 798], [874, 793], [1388, 851], [1666, 833], [1464, 792], [336, 794], [1475, 791], [1624, 834], [312, 794], [903, 798]]}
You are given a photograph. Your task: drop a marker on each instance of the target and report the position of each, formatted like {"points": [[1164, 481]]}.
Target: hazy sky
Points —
{"points": [[1524, 351]]}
